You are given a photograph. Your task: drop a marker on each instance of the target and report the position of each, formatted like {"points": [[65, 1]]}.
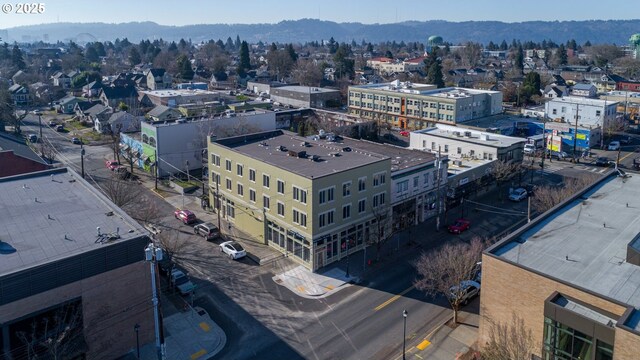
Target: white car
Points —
{"points": [[614, 146], [518, 194], [466, 291], [233, 249]]}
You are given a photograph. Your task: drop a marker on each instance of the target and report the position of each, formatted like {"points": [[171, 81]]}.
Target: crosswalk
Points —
{"points": [[554, 167]]}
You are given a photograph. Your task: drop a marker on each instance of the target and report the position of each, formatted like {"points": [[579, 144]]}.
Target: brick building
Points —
{"points": [[78, 271], [572, 276]]}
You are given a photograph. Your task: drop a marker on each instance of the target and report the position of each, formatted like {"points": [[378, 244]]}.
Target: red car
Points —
{"points": [[112, 164], [404, 133], [459, 226], [185, 216]]}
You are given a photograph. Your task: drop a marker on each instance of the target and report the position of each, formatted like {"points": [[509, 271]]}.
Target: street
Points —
{"points": [[264, 320]]}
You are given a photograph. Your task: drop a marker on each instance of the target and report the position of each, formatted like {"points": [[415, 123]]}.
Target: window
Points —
{"points": [[459, 150], [346, 211], [252, 195], [239, 169], [446, 148], [265, 180], [252, 175], [266, 202], [433, 145], [299, 218], [472, 153], [564, 342], [379, 179], [228, 165], [299, 195], [554, 111], [379, 199], [402, 186], [346, 189], [564, 110], [240, 190], [231, 211], [362, 184], [280, 208], [598, 112], [325, 218], [362, 205], [280, 186], [416, 179], [325, 195], [426, 179], [229, 185], [215, 160]]}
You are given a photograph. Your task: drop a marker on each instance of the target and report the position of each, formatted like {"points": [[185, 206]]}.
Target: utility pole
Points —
{"points": [[347, 273], [438, 167], [528, 208], [152, 255], [217, 202], [404, 333], [575, 134], [544, 142], [82, 159], [155, 170]]}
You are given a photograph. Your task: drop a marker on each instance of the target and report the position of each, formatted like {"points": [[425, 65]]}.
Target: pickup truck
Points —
{"points": [[182, 282]]}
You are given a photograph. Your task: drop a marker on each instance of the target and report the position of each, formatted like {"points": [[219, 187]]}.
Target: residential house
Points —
{"points": [[20, 77], [20, 95], [96, 113], [112, 96], [584, 90], [628, 85], [607, 82], [159, 79], [61, 79], [118, 122], [164, 113], [92, 89], [555, 91], [74, 75], [67, 104], [82, 107]]}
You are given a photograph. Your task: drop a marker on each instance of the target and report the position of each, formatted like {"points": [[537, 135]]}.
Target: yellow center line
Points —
{"points": [[626, 156], [393, 298]]}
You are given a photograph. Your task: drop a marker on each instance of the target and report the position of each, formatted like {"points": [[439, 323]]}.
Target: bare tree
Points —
{"points": [[55, 335], [48, 150], [547, 197], [172, 243], [502, 171], [442, 271], [121, 192], [513, 341], [307, 73], [382, 230]]}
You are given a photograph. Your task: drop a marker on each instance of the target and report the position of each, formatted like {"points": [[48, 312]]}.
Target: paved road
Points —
{"points": [[264, 320]]}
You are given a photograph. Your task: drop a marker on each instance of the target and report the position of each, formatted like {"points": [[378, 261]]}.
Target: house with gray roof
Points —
{"points": [[584, 90]]}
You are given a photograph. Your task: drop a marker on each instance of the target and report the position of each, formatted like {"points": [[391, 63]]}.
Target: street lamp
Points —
{"points": [[136, 328], [153, 254], [404, 333]]}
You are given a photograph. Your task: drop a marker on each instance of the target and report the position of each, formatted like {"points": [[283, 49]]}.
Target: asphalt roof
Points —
{"points": [[585, 242], [19, 147], [332, 156], [53, 214], [477, 137]]}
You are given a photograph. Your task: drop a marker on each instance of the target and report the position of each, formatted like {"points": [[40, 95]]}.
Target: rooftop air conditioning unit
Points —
{"points": [[467, 133], [282, 148]]}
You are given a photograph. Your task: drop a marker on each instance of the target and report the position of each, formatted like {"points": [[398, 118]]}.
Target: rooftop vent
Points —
{"points": [[346, 149], [457, 133], [314, 157], [334, 154], [304, 144], [298, 154], [467, 134], [282, 148], [263, 143]]}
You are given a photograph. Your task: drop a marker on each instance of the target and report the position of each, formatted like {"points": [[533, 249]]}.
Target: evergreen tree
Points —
{"points": [[519, 59], [245, 61], [229, 44], [172, 47], [184, 67], [237, 43], [292, 53], [587, 43], [91, 54], [562, 55], [434, 74], [134, 56], [17, 59], [503, 45]]}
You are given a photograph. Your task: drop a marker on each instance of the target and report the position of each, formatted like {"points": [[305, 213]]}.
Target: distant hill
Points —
{"points": [[596, 31]]}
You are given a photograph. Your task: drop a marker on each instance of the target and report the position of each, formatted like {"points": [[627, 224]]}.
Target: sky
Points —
{"points": [[186, 12]]}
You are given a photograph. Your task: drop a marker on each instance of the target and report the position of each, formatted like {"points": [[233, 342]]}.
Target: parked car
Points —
{"points": [[112, 164], [557, 155], [52, 123], [76, 141], [389, 137], [518, 194], [404, 133], [33, 138], [464, 292], [625, 140], [531, 189], [60, 128], [207, 230], [459, 226], [603, 161], [182, 282], [529, 149], [185, 216], [614, 146], [233, 249]]}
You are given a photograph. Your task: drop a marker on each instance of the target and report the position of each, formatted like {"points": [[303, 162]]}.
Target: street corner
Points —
{"points": [[307, 284]]}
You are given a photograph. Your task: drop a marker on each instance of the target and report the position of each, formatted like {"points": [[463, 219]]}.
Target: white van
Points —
{"points": [[529, 149]]}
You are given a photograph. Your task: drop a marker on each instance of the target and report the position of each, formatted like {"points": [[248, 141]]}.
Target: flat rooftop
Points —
{"points": [[585, 242], [275, 147], [582, 101], [178, 92], [472, 136], [306, 89], [498, 121], [401, 158], [53, 214], [425, 89]]}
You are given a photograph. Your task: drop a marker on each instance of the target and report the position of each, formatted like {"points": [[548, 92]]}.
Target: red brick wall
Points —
{"points": [[11, 164]]}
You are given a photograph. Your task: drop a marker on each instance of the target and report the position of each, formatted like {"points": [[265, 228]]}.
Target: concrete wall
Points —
{"points": [[112, 303], [587, 112], [422, 141], [508, 289]]}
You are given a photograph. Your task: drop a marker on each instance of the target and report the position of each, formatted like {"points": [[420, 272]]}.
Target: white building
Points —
{"points": [[180, 144], [460, 143], [591, 112]]}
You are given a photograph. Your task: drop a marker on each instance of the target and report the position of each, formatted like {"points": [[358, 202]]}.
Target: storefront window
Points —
{"points": [[564, 342]]}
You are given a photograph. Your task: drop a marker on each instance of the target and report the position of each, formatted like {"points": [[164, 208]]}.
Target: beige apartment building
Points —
{"points": [[314, 200], [572, 276], [385, 65], [412, 106]]}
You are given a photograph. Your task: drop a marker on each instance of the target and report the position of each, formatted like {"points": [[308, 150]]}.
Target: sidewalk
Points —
{"points": [[307, 284], [446, 342]]}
